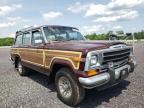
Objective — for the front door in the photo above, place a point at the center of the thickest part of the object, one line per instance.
(37, 55)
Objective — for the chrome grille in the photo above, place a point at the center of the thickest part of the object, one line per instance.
(118, 57)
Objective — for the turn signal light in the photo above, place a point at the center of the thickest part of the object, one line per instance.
(130, 60)
(78, 59)
(92, 72)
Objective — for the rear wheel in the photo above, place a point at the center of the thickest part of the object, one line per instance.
(68, 88)
(22, 70)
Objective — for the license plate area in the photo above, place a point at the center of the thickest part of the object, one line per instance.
(122, 72)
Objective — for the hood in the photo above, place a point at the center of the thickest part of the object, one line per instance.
(81, 46)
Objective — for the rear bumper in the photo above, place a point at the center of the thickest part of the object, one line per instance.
(111, 77)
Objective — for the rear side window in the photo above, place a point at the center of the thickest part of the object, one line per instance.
(18, 40)
(27, 39)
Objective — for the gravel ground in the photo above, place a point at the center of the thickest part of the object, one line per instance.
(34, 91)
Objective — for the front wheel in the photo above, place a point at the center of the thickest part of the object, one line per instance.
(69, 90)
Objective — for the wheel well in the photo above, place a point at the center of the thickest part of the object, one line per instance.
(55, 69)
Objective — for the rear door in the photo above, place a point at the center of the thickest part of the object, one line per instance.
(25, 50)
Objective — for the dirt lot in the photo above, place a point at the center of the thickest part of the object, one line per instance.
(34, 91)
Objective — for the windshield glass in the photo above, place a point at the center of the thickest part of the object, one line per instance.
(62, 34)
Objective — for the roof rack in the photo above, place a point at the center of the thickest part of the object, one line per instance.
(31, 27)
(25, 29)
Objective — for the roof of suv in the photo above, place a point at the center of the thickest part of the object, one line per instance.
(32, 28)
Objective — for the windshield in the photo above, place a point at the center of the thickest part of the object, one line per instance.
(62, 34)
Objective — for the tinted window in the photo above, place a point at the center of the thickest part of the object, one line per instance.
(18, 40)
(27, 39)
(37, 37)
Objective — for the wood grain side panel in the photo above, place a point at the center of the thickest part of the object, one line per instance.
(44, 57)
(32, 56)
(50, 56)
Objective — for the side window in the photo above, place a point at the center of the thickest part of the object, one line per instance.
(37, 37)
(18, 40)
(27, 39)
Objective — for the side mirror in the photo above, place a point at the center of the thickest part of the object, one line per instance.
(38, 41)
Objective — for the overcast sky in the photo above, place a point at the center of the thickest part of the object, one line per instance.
(88, 15)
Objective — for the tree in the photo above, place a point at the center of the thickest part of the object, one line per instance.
(6, 41)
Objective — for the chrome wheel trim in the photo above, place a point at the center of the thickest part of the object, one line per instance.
(65, 87)
(19, 67)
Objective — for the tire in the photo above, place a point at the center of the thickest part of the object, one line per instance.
(23, 71)
(69, 90)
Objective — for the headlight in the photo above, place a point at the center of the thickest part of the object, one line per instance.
(93, 60)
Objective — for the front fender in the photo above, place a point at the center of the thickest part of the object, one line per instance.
(64, 61)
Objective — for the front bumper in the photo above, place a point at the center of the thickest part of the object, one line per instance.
(111, 77)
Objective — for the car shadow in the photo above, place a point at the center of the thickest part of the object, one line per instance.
(41, 79)
(93, 97)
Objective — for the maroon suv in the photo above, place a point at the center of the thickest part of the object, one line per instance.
(71, 61)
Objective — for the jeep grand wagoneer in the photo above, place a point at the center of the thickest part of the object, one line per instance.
(71, 61)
